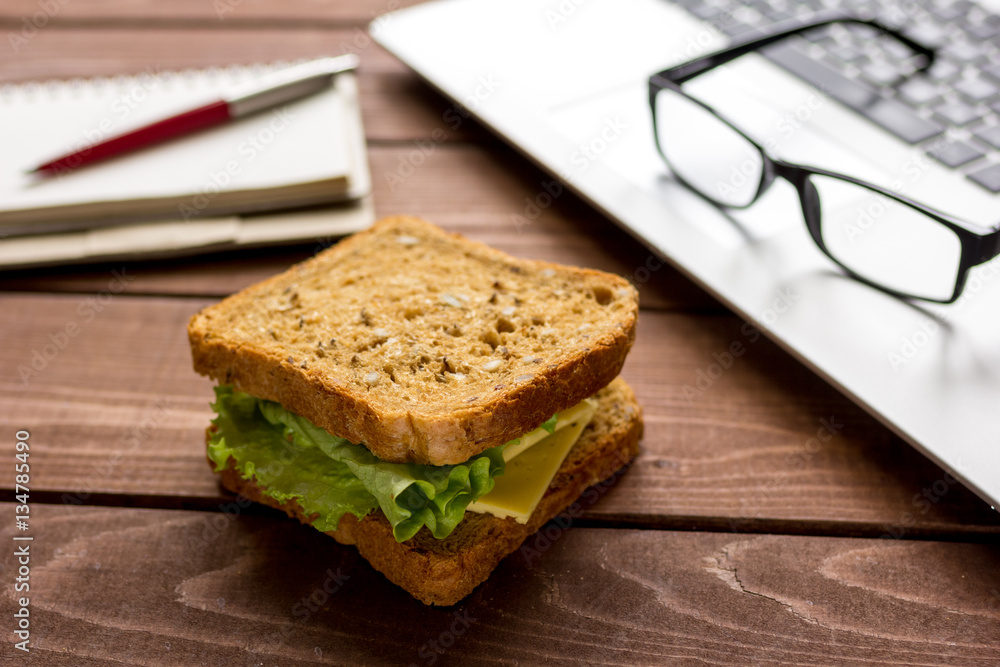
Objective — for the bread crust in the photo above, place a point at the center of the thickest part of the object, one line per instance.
(445, 433)
(442, 572)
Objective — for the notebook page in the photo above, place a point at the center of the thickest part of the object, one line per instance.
(291, 155)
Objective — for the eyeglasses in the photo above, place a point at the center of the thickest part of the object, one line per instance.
(877, 236)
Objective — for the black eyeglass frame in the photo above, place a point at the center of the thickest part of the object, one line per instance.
(978, 244)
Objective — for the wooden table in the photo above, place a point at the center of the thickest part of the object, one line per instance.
(738, 537)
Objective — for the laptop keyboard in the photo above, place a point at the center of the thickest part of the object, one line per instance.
(951, 111)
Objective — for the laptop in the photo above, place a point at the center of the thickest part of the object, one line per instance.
(566, 82)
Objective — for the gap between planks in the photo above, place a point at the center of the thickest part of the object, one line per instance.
(680, 523)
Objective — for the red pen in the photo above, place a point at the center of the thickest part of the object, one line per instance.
(269, 91)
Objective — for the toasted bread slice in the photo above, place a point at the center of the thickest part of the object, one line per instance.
(423, 345)
(442, 572)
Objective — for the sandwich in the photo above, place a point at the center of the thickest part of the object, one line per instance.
(421, 396)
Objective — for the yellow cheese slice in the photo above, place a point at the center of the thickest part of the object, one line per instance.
(564, 419)
(517, 492)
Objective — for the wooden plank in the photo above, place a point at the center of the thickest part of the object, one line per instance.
(211, 13)
(174, 587)
(119, 411)
(55, 52)
(465, 188)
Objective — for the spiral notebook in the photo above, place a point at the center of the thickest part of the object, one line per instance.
(289, 174)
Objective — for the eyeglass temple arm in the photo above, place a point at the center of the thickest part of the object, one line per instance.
(990, 247)
(689, 70)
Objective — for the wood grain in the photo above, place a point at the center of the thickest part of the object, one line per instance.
(288, 13)
(462, 187)
(119, 411)
(183, 588)
(117, 417)
(58, 53)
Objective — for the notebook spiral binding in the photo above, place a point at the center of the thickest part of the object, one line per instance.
(76, 87)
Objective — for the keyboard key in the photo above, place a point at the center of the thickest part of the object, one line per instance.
(775, 15)
(989, 178)
(962, 52)
(954, 153)
(817, 35)
(963, 6)
(896, 51)
(864, 33)
(705, 12)
(845, 53)
(976, 90)
(948, 12)
(919, 90)
(892, 17)
(736, 28)
(928, 34)
(957, 114)
(992, 71)
(880, 74)
(892, 115)
(943, 70)
(982, 31)
(989, 135)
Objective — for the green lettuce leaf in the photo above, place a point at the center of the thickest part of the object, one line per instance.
(550, 424)
(329, 476)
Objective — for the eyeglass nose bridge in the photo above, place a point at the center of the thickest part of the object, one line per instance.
(769, 171)
(808, 194)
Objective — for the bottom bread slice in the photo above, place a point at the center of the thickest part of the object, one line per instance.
(442, 572)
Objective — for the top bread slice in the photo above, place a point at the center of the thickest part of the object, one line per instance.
(425, 346)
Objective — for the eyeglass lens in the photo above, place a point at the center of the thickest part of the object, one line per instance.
(876, 237)
(702, 150)
(886, 241)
